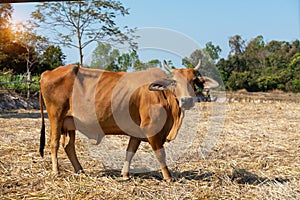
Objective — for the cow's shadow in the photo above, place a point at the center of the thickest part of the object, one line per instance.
(240, 176)
(156, 175)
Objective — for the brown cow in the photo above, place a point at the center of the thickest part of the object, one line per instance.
(146, 105)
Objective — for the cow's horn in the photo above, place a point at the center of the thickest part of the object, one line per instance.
(167, 66)
(198, 65)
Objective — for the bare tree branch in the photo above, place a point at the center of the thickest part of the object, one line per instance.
(79, 23)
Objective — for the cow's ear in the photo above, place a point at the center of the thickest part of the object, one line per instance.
(162, 84)
(210, 83)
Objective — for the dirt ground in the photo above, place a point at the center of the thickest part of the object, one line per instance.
(254, 155)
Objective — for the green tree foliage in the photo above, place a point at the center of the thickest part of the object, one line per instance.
(213, 51)
(138, 65)
(10, 58)
(79, 23)
(105, 57)
(34, 44)
(260, 66)
(294, 68)
(21, 49)
(51, 58)
(237, 45)
(207, 67)
(26, 36)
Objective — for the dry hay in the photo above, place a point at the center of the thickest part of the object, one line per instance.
(257, 156)
(263, 97)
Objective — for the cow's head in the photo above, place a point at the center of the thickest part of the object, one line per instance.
(184, 83)
(193, 76)
(179, 88)
(180, 85)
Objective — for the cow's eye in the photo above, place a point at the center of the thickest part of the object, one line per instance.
(197, 83)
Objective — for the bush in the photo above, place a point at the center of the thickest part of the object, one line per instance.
(267, 83)
(293, 85)
(17, 83)
(238, 80)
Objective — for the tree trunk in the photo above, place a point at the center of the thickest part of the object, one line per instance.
(28, 83)
(81, 57)
(28, 75)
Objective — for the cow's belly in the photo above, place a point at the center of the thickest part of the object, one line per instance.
(106, 127)
(69, 125)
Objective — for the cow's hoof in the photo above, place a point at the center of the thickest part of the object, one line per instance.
(125, 176)
(169, 180)
(81, 171)
(124, 179)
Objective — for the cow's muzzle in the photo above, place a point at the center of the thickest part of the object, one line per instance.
(186, 103)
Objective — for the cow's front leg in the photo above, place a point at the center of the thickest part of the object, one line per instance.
(132, 147)
(160, 154)
(161, 157)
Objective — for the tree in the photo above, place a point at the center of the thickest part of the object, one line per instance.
(238, 80)
(225, 69)
(103, 56)
(51, 58)
(84, 22)
(26, 36)
(236, 44)
(34, 45)
(260, 66)
(193, 60)
(11, 58)
(6, 11)
(294, 83)
(207, 67)
(213, 51)
(5, 29)
(127, 61)
(138, 65)
(255, 52)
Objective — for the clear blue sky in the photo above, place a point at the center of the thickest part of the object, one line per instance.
(204, 21)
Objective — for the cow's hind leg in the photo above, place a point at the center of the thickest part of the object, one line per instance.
(55, 132)
(56, 123)
(132, 147)
(71, 153)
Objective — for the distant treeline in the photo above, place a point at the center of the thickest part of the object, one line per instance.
(254, 66)
(261, 66)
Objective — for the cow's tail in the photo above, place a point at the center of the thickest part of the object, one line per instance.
(42, 137)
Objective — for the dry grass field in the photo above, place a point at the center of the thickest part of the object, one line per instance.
(256, 155)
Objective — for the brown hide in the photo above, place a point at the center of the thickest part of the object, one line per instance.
(121, 103)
